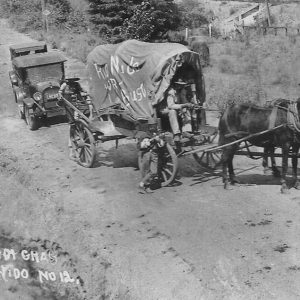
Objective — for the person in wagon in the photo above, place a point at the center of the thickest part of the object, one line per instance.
(173, 105)
(149, 146)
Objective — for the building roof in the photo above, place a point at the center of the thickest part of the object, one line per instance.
(243, 11)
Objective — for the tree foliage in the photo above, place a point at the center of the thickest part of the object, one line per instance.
(60, 11)
(192, 14)
(27, 14)
(109, 15)
(151, 20)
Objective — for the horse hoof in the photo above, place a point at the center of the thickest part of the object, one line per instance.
(228, 187)
(297, 185)
(234, 181)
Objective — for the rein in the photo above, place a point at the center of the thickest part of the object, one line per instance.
(293, 120)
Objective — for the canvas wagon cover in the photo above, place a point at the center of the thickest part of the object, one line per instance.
(137, 74)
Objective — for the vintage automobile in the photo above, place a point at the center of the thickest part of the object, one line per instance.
(36, 78)
(27, 48)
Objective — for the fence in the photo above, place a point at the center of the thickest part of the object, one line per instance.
(269, 30)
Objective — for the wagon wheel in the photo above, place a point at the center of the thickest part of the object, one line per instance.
(83, 144)
(168, 165)
(31, 121)
(211, 159)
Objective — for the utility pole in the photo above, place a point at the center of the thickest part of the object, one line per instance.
(268, 13)
(43, 2)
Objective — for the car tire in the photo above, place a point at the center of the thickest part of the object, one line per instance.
(20, 113)
(31, 121)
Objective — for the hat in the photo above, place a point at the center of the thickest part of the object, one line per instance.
(180, 82)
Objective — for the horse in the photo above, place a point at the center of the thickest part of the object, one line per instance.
(242, 120)
(270, 150)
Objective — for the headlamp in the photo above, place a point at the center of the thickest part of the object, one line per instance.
(37, 96)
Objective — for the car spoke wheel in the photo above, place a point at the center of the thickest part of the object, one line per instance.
(20, 112)
(31, 121)
(168, 165)
(83, 144)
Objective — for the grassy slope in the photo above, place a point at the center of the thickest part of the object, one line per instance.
(256, 70)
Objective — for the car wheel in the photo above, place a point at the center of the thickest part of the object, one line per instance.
(20, 112)
(31, 121)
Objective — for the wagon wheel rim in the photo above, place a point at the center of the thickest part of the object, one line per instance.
(209, 160)
(83, 144)
(168, 165)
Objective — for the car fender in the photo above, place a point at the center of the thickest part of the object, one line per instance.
(13, 78)
(29, 102)
(19, 94)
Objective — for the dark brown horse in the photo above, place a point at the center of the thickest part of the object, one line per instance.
(241, 120)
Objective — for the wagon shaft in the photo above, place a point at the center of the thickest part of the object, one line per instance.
(255, 153)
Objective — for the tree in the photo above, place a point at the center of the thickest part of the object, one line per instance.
(192, 14)
(60, 9)
(27, 14)
(110, 14)
(151, 20)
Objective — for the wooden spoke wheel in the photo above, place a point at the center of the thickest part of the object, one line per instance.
(168, 165)
(210, 160)
(20, 111)
(83, 144)
(31, 121)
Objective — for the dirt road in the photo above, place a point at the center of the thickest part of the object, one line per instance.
(107, 241)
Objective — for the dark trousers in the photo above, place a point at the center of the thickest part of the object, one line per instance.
(148, 165)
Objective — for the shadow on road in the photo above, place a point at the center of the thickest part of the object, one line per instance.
(122, 157)
(48, 122)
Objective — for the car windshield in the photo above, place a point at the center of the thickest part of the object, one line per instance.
(44, 73)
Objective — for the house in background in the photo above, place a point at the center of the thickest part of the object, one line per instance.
(245, 17)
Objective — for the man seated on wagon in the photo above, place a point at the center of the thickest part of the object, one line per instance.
(175, 105)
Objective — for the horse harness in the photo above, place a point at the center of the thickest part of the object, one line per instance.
(293, 121)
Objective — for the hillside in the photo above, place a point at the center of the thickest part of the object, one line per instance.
(285, 14)
(273, 2)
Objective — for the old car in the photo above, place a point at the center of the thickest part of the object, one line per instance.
(27, 48)
(36, 78)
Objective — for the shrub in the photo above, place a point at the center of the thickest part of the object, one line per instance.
(225, 66)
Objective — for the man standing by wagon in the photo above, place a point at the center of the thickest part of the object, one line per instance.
(149, 147)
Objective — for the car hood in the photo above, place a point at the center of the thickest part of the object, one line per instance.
(41, 86)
